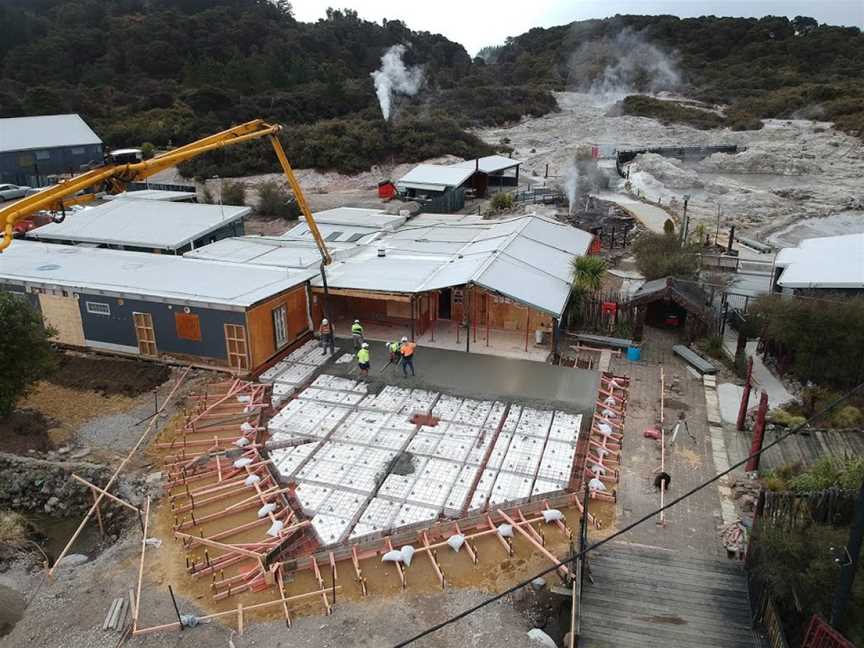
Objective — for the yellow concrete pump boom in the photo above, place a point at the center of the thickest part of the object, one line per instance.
(113, 177)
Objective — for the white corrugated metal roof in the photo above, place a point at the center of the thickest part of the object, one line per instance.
(374, 218)
(139, 274)
(525, 258)
(436, 174)
(824, 262)
(333, 233)
(45, 131)
(267, 251)
(155, 194)
(141, 223)
(490, 164)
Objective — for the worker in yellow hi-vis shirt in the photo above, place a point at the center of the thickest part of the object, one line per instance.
(363, 360)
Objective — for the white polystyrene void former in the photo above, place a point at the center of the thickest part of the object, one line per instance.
(365, 470)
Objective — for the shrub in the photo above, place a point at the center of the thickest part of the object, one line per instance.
(147, 150)
(670, 112)
(234, 193)
(276, 202)
(713, 346)
(668, 226)
(207, 196)
(780, 416)
(662, 255)
(502, 200)
(847, 417)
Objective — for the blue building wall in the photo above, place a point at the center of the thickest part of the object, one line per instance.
(119, 327)
(31, 167)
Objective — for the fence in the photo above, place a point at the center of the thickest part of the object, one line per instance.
(543, 195)
(766, 614)
(821, 635)
(604, 312)
(788, 512)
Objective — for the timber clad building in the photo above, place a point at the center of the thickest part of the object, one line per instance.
(160, 307)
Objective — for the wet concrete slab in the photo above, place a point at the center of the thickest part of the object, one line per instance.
(483, 376)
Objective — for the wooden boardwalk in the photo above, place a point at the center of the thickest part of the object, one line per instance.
(804, 448)
(644, 597)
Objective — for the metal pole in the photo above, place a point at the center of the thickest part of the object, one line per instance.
(848, 570)
(325, 306)
(176, 609)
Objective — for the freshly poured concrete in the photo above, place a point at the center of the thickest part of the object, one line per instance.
(483, 376)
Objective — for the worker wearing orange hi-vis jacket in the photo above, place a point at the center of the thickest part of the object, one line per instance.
(406, 349)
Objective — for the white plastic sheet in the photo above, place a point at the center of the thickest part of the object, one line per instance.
(604, 428)
(242, 442)
(251, 480)
(505, 530)
(275, 529)
(456, 541)
(267, 509)
(242, 462)
(552, 515)
(246, 427)
(596, 485)
(407, 554)
(392, 556)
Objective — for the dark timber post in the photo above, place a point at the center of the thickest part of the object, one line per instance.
(758, 433)
(745, 397)
(466, 307)
(848, 569)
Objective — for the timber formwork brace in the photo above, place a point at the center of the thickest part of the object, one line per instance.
(204, 469)
(606, 437)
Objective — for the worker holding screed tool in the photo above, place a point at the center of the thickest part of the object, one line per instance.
(407, 350)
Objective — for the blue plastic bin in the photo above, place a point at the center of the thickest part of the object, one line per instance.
(634, 354)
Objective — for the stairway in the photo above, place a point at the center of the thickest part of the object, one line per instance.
(645, 597)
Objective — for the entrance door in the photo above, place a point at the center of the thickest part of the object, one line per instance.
(444, 300)
(235, 341)
(145, 333)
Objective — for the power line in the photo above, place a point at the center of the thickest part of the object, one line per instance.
(631, 526)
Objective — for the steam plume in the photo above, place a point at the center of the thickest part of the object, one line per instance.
(394, 78)
(631, 66)
(571, 187)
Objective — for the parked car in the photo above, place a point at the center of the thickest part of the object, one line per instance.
(12, 192)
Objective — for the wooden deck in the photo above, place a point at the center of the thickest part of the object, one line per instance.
(645, 597)
(803, 448)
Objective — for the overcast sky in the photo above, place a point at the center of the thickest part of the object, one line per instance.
(476, 23)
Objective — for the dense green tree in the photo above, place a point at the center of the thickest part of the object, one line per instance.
(25, 350)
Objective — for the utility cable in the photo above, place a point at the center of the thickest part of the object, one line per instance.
(574, 557)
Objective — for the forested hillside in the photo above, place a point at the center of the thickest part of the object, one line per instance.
(167, 71)
(769, 67)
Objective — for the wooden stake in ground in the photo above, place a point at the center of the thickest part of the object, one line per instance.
(141, 566)
(118, 471)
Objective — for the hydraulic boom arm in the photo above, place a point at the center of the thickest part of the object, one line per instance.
(113, 178)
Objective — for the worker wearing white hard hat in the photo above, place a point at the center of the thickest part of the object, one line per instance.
(363, 359)
(325, 338)
(357, 334)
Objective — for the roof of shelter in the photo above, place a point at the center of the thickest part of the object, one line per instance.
(823, 262)
(490, 164)
(141, 223)
(45, 132)
(160, 277)
(436, 176)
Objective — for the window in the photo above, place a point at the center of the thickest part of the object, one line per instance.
(280, 326)
(355, 237)
(188, 326)
(145, 333)
(98, 308)
(457, 295)
(333, 236)
(77, 150)
(43, 155)
(235, 341)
